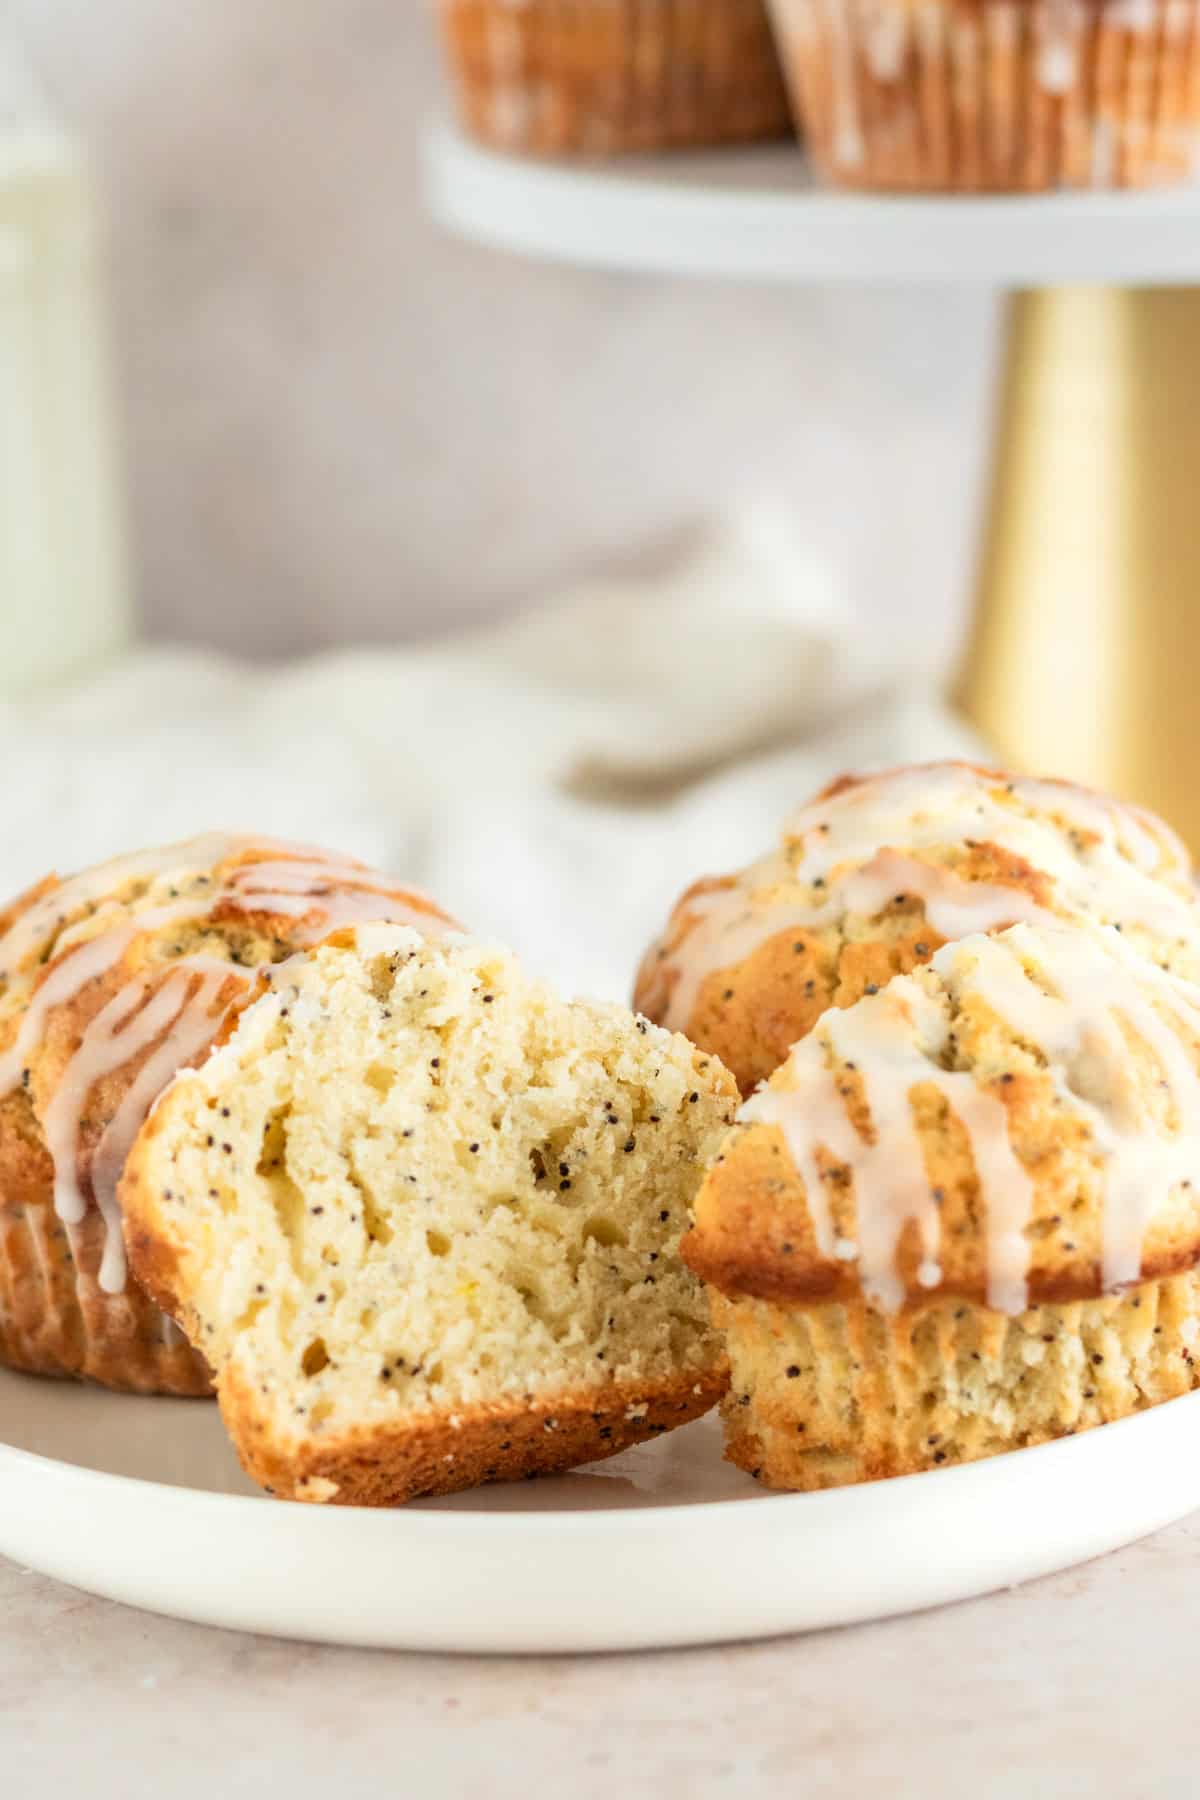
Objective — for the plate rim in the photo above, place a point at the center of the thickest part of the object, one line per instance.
(575, 1520)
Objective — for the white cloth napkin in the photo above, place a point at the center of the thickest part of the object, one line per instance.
(555, 782)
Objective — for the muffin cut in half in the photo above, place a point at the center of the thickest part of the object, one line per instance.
(964, 1216)
(878, 872)
(111, 981)
(423, 1219)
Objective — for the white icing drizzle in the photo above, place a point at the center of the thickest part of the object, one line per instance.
(1057, 58)
(310, 878)
(191, 1031)
(1133, 15)
(886, 35)
(732, 926)
(171, 1008)
(852, 853)
(1079, 1025)
(954, 907)
(733, 923)
(337, 893)
(1063, 992)
(849, 145)
(1056, 66)
(72, 972)
(309, 868)
(952, 803)
(891, 1040)
(126, 1025)
(65, 980)
(73, 897)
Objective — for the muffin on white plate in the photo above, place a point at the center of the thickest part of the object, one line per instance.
(423, 1219)
(964, 1215)
(110, 981)
(875, 874)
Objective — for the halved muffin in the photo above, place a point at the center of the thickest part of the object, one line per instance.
(423, 1218)
(111, 981)
(880, 870)
(964, 1215)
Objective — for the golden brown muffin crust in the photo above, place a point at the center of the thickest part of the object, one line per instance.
(829, 951)
(179, 934)
(755, 1233)
(526, 1437)
(553, 78)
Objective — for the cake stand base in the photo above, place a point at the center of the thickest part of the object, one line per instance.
(1085, 655)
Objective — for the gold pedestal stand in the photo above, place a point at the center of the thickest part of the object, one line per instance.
(1085, 656)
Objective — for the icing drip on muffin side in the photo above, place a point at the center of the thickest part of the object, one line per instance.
(1069, 996)
(173, 1007)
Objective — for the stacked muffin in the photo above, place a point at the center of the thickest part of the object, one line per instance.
(926, 95)
(995, 94)
(600, 76)
(961, 1215)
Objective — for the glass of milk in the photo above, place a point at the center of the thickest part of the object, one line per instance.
(64, 598)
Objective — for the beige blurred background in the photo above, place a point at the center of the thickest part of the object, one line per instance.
(341, 425)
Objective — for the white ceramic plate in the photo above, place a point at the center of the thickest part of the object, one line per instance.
(142, 1501)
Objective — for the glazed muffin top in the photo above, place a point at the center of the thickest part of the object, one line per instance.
(113, 980)
(1018, 1122)
(878, 872)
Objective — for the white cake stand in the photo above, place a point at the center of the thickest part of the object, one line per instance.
(757, 215)
(1087, 641)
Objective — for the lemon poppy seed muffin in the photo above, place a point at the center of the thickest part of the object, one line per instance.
(553, 77)
(110, 981)
(995, 95)
(879, 871)
(424, 1217)
(964, 1216)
